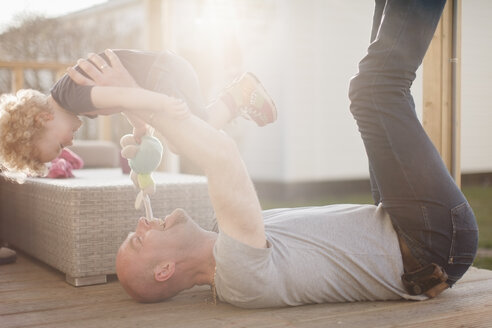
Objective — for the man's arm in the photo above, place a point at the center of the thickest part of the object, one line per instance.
(231, 190)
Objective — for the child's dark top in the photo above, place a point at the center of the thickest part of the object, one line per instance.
(163, 72)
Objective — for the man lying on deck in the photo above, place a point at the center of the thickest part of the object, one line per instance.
(418, 239)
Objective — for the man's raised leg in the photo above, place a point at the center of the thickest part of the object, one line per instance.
(428, 210)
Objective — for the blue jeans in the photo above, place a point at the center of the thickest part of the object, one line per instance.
(408, 176)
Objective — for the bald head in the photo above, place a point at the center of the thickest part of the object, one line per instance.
(135, 276)
(159, 260)
(142, 280)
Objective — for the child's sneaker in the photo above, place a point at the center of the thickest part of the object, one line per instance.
(247, 97)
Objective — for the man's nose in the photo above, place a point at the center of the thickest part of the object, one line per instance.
(143, 225)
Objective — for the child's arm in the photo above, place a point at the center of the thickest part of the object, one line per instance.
(139, 103)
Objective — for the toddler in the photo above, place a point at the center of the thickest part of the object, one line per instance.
(34, 127)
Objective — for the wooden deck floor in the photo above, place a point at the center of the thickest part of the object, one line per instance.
(34, 295)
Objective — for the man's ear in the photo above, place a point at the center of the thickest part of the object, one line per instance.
(164, 271)
(44, 117)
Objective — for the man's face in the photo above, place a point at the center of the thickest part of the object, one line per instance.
(155, 239)
(154, 243)
(58, 133)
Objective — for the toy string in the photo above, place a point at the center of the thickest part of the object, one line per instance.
(148, 208)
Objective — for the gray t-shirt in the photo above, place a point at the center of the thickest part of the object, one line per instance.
(335, 253)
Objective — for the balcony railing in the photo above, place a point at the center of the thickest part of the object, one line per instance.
(18, 68)
(18, 71)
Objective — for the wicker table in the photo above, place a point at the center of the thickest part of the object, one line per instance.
(77, 225)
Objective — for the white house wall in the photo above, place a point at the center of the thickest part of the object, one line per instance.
(476, 87)
(306, 62)
(305, 52)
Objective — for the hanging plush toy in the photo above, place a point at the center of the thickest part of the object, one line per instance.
(143, 158)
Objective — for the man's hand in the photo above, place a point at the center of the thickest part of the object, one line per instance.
(101, 73)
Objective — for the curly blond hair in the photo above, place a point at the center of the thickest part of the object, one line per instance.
(19, 128)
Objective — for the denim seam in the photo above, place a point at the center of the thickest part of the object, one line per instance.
(452, 256)
(414, 245)
(378, 107)
(425, 217)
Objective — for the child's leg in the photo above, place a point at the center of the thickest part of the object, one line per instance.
(245, 97)
(219, 114)
(174, 76)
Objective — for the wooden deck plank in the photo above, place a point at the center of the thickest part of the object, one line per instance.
(35, 295)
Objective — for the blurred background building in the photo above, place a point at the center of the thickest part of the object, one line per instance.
(304, 51)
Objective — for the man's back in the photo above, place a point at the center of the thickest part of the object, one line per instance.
(334, 253)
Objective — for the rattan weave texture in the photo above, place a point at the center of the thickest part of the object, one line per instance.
(76, 225)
